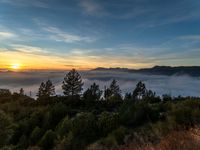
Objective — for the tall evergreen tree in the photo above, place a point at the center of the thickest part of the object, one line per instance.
(140, 91)
(49, 88)
(41, 91)
(113, 91)
(72, 84)
(114, 88)
(92, 93)
(46, 89)
(107, 93)
(21, 91)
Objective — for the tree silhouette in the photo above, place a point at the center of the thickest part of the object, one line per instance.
(140, 91)
(46, 90)
(21, 91)
(41, 91)
(92, 93)
(50, 89)
(72, 84)
(128, 96)
(113, 91)
(5, 92)
(150, 94)
(107, 93)
(114, 88)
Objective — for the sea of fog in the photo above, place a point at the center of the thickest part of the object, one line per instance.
(174, 85)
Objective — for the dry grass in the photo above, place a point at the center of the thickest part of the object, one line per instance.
(175, 140)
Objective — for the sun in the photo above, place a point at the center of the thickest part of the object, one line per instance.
(15, 66)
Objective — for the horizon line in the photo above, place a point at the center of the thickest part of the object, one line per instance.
(89, 69)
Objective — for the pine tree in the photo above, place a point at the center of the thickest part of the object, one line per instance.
(21, 91)
(114, 88)
(92, 93)
(46, 90)
(140, 91)
(41, 91)
(107, 93)
(113, 92)
(49, 88)
(72, 84)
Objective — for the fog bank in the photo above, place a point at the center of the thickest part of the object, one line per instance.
(173, 85)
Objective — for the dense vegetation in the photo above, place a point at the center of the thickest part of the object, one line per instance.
(92, 119)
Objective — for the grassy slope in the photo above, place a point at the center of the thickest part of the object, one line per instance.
(175, 140)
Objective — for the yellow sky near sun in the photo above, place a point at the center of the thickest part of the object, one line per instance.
(28, 61)
(25, 61)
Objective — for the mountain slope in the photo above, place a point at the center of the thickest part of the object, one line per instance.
(159, 70)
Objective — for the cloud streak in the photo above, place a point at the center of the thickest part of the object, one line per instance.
(61, 36)
(28, 49)
(190, 37)
(25, 3)
(143, 13)
(6, 35)
(90, 6)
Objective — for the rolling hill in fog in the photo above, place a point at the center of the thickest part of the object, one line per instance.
(159, 70)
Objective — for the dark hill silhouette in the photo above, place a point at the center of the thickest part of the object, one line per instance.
(159, 70)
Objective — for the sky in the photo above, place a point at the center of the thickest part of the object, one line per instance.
(84, 34)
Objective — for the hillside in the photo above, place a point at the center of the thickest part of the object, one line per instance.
(64, 123)
(179, 140)
(96, 119)
(159, 70)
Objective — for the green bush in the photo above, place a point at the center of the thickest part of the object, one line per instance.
(55, 115)
(36, 135)
(107, 122)
(47, 140)
(6, 130)
(109, 141)
(64, 126)
(119, 135)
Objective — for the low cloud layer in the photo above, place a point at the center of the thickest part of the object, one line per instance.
(173, 85)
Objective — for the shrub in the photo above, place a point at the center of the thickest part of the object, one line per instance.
(64, 126)
(56, 114)
(108, 122)
(47, 140)
(35, 135)
(5, 129)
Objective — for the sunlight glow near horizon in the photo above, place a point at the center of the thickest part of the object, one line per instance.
(15, 66)
(18, 62)
(87, 34)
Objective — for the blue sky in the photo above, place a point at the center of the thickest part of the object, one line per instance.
(104, 33)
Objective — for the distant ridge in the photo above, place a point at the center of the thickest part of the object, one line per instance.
(112, 69)
(159, 70)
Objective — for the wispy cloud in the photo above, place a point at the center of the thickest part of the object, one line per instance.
(26, 3)
(6, 35)
(145, 14)
(190, 37)
(93, 8)
(28, 49)
(90, 6)
(163, 20)
(62, 36)
(57, 34)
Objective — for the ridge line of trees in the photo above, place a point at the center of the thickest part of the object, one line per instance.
(72, 87)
